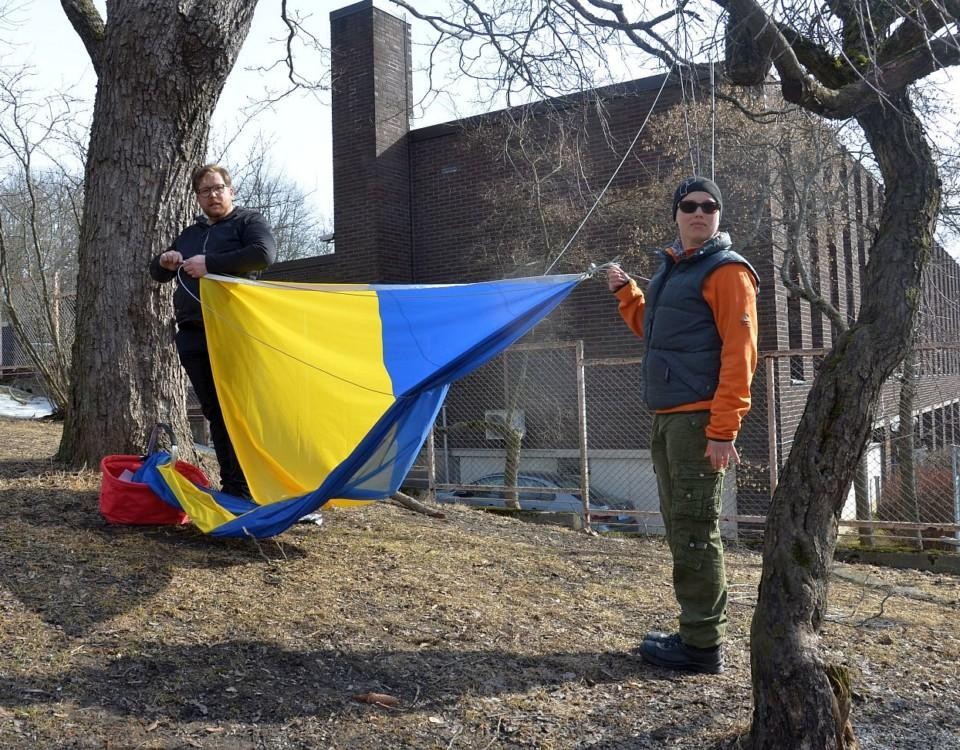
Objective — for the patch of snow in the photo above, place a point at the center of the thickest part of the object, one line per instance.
(25, 407)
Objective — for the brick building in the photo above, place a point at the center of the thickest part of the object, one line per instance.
(438, 205)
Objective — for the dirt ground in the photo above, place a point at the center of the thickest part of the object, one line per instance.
(488, 633)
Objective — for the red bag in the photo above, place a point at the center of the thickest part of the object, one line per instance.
(127, 502)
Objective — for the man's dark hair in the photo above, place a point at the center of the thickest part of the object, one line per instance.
(200, 172)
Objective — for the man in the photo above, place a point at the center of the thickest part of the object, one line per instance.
(698, 319)
(224, 240)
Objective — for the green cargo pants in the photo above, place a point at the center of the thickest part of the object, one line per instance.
(690, 501)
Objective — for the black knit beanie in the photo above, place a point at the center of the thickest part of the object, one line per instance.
(692, 185)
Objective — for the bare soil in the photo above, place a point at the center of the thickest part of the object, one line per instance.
(484, 631)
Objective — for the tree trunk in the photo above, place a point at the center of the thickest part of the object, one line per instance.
(511, 464)
(798, 699)
(161, 67)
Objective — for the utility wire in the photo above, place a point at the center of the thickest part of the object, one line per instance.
(633, 143)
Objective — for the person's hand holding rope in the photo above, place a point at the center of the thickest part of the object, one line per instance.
(170, 260)
(195, 266)
(616, 278)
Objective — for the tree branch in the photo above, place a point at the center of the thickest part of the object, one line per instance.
(86, 21)
(918, 26)
(668, 54)
(895, 76)
(405, 501)
(800, 87)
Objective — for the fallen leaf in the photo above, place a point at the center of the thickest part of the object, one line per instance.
(377, 699)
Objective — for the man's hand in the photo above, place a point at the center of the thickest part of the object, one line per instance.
(195, 266)
(721, 453)
(171, 260)
(616, 278)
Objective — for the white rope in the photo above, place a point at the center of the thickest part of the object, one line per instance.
(713, 123)
(594, 269)
(623, 161)
(695, 164)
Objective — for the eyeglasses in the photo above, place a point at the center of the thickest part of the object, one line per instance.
(212, 190)
(689, 207)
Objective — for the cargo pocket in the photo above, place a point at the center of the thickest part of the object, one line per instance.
(696, 494)
(695, 502)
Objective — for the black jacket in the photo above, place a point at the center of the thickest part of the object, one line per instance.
(240, 244)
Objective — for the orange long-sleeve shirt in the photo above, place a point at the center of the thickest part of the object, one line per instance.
(731, 293)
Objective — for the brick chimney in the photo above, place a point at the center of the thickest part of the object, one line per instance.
(370, 57)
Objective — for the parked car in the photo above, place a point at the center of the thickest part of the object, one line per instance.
(561, 501)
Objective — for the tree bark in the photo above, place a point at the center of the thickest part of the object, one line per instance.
(798, 699)
(161, 67)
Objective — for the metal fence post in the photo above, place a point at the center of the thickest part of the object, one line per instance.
(431, 466)
(772, 426)
(582, 430)
(446, 444)
(956, 488)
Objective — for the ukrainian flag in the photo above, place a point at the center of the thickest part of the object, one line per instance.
(329, 390)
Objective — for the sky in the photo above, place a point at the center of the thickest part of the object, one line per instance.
(297, 128)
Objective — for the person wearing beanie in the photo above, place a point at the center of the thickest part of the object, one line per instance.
(693, 185)
(698, 321)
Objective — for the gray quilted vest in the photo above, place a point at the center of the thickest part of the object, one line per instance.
(682, 361)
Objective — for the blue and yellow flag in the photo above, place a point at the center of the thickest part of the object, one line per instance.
(329, 390)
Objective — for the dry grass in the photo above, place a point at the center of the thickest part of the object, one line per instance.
(490, 633)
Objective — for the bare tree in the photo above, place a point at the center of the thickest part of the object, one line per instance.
(38, 229)
(538, 197)
(160, 67)
(299, 229)
(841, 61)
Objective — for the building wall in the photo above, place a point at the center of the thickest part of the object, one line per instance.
(428, 206)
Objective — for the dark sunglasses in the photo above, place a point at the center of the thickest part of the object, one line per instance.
(708, 207)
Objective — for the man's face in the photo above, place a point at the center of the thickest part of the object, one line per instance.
(699, 226)
(214, 196)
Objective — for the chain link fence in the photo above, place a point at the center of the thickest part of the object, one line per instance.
(906, 488)
(47, 330)
(578, 434)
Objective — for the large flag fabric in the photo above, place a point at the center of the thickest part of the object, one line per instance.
(329, 390)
